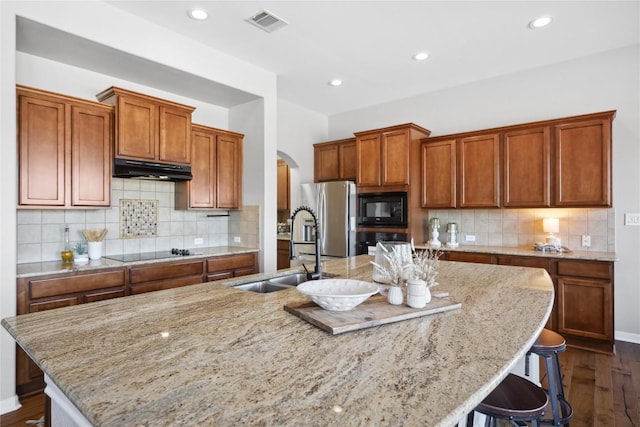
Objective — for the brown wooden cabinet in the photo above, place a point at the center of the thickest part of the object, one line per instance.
(527, 168)
(284, 186)
(438, 171)
(64, 149)
(479, 171)
(554, 163)
(216, 169)
(283, 254)
(583, 161)
(149, 128)
(335, 160)
(225, 267)
(585, 302)
(55, 291)
(383, 155)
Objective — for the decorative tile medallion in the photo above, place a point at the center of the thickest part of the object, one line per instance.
(138, 218)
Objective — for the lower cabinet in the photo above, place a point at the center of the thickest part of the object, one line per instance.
(49, 292)
(225, 267)
(283, 254)
(583, 308)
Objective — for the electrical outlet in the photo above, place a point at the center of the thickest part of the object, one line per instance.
(198, 241)
(632, 219)
(586, 241)
(470, 238)
(236, 239)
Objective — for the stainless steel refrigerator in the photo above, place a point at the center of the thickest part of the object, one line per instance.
(335, 206)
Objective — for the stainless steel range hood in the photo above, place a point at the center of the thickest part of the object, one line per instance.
(126, 168)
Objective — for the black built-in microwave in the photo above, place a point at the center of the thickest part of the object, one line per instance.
(383, 209)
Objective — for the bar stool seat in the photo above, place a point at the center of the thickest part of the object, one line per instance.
(515, 399)
(548, 345)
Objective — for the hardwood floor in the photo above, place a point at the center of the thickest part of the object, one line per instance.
(603, 390)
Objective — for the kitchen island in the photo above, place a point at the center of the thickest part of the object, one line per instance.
(212, 355)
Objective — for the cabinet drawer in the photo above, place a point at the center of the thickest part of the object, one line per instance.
(51, 304)
(165, 284)
(103, 295)
(470, 257)
(523, 261)
(219, 276)
(230, 262)
(150, 273)
(598, 270)
(43, 288)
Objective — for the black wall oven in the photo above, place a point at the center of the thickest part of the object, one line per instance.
(382, 209)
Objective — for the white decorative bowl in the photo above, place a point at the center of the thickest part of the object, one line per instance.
(338, 294)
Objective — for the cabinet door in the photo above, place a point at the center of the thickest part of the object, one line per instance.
(438, 172)
(583, 163)
(526, 166)
(90, 156)
(395, 158)
(41, 141)
(283, 186)
(229, 171)
(202, 188)
(585, 307)
(479, 171)
(326, 162)
(136, 128)
(175, 135)
(368, 157)
(347, 161)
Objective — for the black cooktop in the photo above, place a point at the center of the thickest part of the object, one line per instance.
(146, 256)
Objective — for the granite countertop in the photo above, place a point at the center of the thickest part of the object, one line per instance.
(57, 267)
(209, 354)
(527, 251)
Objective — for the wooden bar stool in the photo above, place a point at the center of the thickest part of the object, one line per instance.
(515, 399)
(548, 345)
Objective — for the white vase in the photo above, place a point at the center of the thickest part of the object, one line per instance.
(395, 295)
(95, 250)
(418, 295)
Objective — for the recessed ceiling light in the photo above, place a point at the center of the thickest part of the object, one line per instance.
(199, 14)
(543, 21)
(420, 56)
(335, 82)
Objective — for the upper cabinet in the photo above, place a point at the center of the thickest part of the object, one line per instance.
(583, 161)
(148, 128)
(383, 155)
(64, 150)
(284, 186)
(554, 163)
(335, 160)
(216, 169)
(479, 171)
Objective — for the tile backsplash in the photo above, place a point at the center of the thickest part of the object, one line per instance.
(41, 232)
(523, 227)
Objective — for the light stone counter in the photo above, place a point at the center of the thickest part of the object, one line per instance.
(527, 251)
(34, 269)
(212, 355)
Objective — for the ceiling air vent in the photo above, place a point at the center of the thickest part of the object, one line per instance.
(267, 21)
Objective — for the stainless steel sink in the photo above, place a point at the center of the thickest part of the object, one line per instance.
(263, 287)
(277, 283)
(290, 279)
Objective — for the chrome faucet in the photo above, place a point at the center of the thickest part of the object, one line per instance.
(317, 272)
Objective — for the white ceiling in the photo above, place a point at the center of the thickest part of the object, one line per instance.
(369, 44)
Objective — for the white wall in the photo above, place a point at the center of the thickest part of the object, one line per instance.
(298, 129)
(102, 23)
(607, 81)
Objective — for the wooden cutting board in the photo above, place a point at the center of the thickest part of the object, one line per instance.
(373, 312)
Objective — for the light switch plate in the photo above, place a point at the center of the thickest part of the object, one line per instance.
(236, 239)
(632, 219)
(470, 238)
(198, 241)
